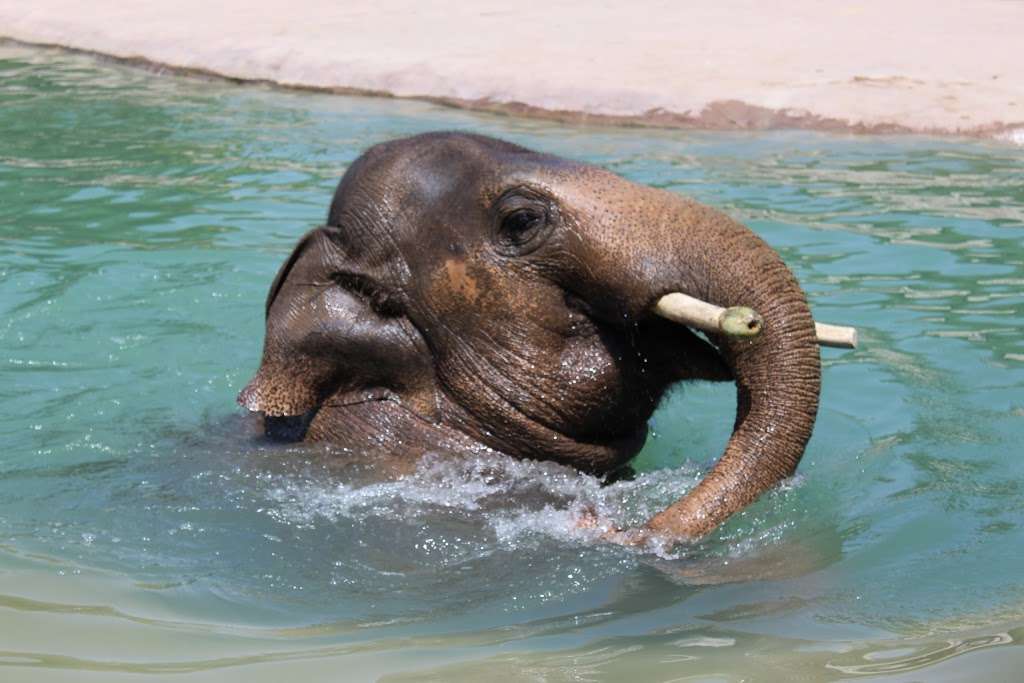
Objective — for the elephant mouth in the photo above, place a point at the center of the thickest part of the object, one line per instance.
(288, 428)
(583, 320)
(587, 318)
(294, 428)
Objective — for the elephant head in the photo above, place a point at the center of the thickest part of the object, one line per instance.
(469, 291)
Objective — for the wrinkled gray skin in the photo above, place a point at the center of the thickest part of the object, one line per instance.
(467, 292)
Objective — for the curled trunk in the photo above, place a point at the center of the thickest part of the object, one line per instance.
(777, 374)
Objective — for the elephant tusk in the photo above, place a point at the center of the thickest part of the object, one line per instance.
(739, 321)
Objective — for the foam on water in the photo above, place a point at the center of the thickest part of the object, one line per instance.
(514, 500)
(1014, 135)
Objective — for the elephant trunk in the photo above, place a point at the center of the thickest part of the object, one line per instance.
(777, 373)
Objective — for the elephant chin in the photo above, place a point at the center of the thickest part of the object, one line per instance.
(278, 393)
(287, 407)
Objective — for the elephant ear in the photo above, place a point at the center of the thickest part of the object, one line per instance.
(330, 331)
(286, 267)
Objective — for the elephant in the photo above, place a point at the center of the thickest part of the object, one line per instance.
(469, 294)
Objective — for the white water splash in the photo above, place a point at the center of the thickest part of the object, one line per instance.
(1014, 136)
(514, 499)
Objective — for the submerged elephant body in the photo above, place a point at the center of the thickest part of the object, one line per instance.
(467, 292)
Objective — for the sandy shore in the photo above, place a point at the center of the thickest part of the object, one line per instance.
(896, 66)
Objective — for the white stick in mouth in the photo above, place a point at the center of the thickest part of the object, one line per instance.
(739, 321)
(836, 336)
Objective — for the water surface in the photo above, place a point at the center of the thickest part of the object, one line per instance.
(142, 530)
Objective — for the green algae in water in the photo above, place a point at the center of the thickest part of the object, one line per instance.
(143, 530)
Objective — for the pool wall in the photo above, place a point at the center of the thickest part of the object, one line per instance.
(872, 67)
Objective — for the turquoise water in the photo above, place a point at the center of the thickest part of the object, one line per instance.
(144, 530)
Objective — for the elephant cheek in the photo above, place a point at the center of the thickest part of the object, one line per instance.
(457, 288)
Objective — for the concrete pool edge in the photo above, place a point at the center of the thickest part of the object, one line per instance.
(901, 87)
(724, 115)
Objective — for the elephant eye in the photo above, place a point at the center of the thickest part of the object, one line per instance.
(518, 227)
(524, 219)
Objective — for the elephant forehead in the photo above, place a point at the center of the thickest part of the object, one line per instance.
(422, 185)
(434, 171)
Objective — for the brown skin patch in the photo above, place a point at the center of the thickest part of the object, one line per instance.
(460, 283)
